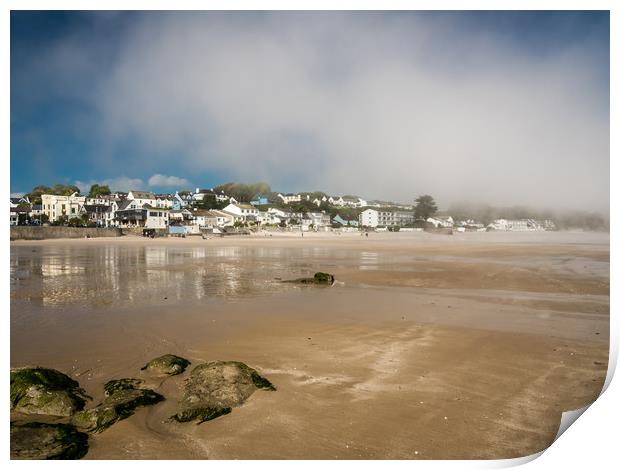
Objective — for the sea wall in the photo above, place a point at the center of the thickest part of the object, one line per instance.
(42, 233)
(138, 231)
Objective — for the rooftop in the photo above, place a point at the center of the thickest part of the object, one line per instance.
(142, 194)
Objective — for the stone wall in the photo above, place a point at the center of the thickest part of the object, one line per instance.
(42, 233)
(138, 231)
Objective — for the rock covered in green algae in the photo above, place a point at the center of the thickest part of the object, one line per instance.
(318, 278)
(117, 385)
(168, 364)
(123, 396)
(47, 441)
(37, 390)
(323, 278)
(214, 388)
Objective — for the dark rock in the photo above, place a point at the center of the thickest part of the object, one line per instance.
(123, 396)
(214, 388)
(117, 385)
(47, 441)
(319, 279)
(168, 364)
(323, 278)
(37, 390)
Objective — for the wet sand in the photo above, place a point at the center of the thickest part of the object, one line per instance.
(428, 346)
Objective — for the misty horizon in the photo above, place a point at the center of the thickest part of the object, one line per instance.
(498, 108)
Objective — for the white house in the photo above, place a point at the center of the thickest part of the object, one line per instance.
(213, 218)
(156, 217)
(315, 220)
(319, 219)
(355, 202)
(146, 216)
(245, 211)
(109, 215)
(349, 201)
(294, 218)
(200, 194)
(290, 197)
(179, 200)
(140, 198)
(164, 200)
(179, 216)
(378, 218)
(278, 212)
(102, 200)
(55, 206)
(370, 218)
(469, 225)
(269, 218)
(224, 219)
(336, 201)
(402, 218)
(519, 225)
(205, 219)
(16, 201)
(441, 221)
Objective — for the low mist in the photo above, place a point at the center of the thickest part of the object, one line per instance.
(386, 106)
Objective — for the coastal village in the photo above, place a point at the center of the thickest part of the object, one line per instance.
(211, 210)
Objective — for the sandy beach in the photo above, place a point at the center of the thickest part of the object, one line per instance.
(426, 347)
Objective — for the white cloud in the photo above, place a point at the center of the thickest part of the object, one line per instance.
(361, 104)
(120, 183)
(17, 194)
(168, 181)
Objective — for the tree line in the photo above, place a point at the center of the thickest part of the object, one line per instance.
(59, 189)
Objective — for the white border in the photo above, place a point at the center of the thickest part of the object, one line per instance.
(589, 443)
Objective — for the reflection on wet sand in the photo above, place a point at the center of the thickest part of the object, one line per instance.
(422, 341)
(53, 276)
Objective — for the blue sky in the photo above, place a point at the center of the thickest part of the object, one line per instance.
(386, 105)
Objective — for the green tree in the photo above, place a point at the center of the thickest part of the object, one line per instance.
(99, 190)
(61, 220)
(58, 189)
(425, 207)
(209, 203)
(305, 206)
(35, 195)
(65, 190)
(349, 213)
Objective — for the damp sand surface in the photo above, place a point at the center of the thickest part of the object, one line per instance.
(426, 347)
